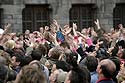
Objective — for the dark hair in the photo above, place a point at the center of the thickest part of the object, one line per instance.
(27, 59)
(90, 48)
(11, 75)
(104, 44)
(48, 47)
(117, 62)
(3, 73)
(114, 51)
(121, 43)
(71, 58)
(79, 75)
(62, 65)
(91, 63)
(10, 51)
(19, 58)
(36, 54)
(1, 47)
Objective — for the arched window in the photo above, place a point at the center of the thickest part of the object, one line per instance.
(35, 16)
(83, 14)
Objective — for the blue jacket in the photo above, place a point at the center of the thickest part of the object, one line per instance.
(94, 77)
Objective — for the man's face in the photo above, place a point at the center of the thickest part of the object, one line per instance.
(99, 70)
(13, 61)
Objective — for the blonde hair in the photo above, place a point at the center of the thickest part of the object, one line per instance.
(10, 44)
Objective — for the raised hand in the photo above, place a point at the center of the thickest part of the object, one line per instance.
(97, 24)
(55, 22)
(120, 26)
(74, 26)
(6, 28)
(46, 28)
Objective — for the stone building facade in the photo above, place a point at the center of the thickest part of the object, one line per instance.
(64, 11)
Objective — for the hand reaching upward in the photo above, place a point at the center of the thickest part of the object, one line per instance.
(97, 24)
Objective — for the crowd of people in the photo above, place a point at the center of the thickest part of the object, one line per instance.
(57, 54)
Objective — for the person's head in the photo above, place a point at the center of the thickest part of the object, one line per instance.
(61, 65)
(43, 49)
(10, 44)
(11, 75)
(77, 75)
(7, 57)
(17, 60)
(36, 54)
(117, 62)
(91, 63)
(36, 64)
(27, 60)
(20, 36)
(106, 68)
(55, 52)
(30, 74)
(3, 73)
(71, 58)
(27, 32)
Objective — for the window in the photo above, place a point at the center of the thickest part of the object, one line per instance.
(83, 14)
(119, 14)
(35, 16)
